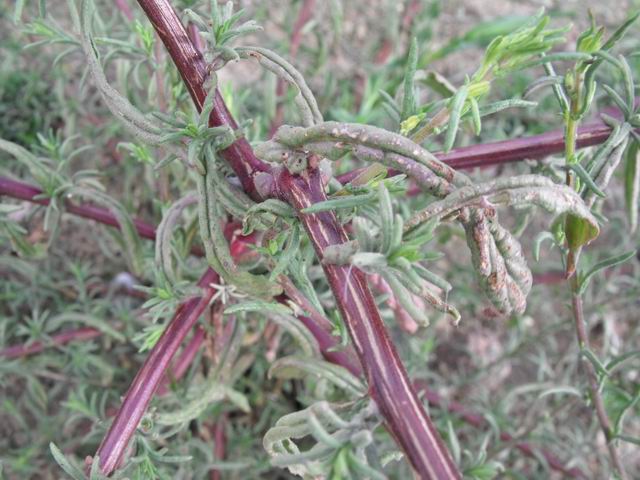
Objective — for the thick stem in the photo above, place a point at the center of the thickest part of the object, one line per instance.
(387, 378)
(182, 363)
(193, 70)
(388, 383)
(329, 347)
(146, 382)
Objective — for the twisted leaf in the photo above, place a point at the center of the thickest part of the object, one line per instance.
(514, 191)
(299, 367)
(276, 64)
(216, 246)
(164, 234)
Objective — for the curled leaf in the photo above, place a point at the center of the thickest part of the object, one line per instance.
(278, 65)
(299, 367)
(164, 234)
(515, 191)
(215, 244)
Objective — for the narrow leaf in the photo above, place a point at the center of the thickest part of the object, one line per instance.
(409, 99)
(455, 112)
(632, 183)
(609, 262)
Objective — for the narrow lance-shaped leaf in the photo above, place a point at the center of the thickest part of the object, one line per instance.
(73, 471)
(46, 176)
(258, 306)
(455, 113)
(138, 124)
(409, 98)
(608, 262)
(303, 337)
(278, 65)
(290, 251)
(132, 243)
(632, 184)
(298, 367)
(586, 179)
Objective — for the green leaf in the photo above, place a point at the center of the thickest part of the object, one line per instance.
(293, 367)
(409, 103)
(609, 262)
(561, 390)
(238, 399)
(586, 179)
(455, 113)
(439, 84)
(622, 414)
(595, 361)
(629, 439)
(351, 201)
(258, 306)
(620, 31)
(65, 464)
(579, 231)
(538, 241)
(292, 248)
(632, 184)
(17, 12)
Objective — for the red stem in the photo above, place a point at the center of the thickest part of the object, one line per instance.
(331, 352)
(30, 193)
(514, 150)
(220, 443)
(180, 366)
(193, 70)
(148, 378)
(387, 378)
(16, 351)
(124, 8)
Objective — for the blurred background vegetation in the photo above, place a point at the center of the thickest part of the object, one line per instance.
(521, 373)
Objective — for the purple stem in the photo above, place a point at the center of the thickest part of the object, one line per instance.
(387, 378)
(388, 382)
(328, 345)
(30, 193)
(193, 70)
(16, 351)
(514, 150)
(183, 362)
(148, 378)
